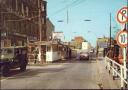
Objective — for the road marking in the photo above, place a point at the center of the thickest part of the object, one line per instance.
(14, 75)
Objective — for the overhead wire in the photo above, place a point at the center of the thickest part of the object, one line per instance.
(72, 4)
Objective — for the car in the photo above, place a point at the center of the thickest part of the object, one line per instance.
(92, 51)
(13, 57)
(84, 56)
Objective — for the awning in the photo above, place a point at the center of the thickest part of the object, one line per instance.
(45, 42)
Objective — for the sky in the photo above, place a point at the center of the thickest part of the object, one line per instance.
(98, 11)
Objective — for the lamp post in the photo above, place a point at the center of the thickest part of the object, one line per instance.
(110, 31)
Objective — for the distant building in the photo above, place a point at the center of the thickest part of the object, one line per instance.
(58, 35)
(86, 46)
(78, 42)
(103, 42)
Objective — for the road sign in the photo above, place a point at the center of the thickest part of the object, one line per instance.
(122, 15)
(122, 38)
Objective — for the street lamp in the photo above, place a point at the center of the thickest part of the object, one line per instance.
(87, 20)
(60, 21)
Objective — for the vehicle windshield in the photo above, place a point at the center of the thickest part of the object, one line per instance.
(6, 53)
(84, 53)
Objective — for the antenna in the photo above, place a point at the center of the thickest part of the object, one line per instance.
(67, 17)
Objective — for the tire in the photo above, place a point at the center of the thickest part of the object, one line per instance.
(23, 67)
(88, 58)
(113, 77)
(5, 70)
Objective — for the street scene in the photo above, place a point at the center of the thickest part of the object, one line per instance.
(63, 44)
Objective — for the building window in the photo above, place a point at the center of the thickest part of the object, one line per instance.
(42, 8)
(48, 48)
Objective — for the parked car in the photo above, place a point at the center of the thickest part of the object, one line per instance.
(84, 56)
(91, 51)
(13, 57)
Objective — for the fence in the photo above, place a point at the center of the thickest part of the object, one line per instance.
(118, 70)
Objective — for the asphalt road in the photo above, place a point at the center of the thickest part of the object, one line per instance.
(71, 74)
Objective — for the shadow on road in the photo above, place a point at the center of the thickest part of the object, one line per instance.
(37, 72)
(13, 72)
(74, 60)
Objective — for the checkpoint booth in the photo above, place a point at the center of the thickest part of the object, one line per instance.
(53, 52)
(50, 51)
(56, 51)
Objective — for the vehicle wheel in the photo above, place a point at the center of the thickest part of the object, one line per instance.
(113, 77)
(87, 58)
(5, 70)
(23, 67)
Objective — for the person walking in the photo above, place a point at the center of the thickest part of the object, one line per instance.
(36, 55)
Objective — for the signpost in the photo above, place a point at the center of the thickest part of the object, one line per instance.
(122, 16)
(122, 37)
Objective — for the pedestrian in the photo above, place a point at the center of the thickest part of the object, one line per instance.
(36, 55)
(78, 56)
(70, 54)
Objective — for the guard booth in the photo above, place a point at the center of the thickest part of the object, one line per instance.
(53, 52)
(57, 51)
(50, 51)
(42, 49)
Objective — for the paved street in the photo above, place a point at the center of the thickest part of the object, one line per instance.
(43, 43)
(72, 74)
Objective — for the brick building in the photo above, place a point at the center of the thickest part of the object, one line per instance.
(50, 29)
(19, 21)
(78, 42)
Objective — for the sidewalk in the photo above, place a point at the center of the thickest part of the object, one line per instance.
(106, 79)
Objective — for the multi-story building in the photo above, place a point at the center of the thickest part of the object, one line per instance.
(50, 29)
(102, 44)
(58, 36)
(78, 42)
(86, 46)
(19, 21)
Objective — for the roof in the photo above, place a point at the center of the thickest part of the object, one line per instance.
(46, 42)
(14, 47)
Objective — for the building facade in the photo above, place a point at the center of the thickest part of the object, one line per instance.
(58, 35)
(78, 42)
(86, 46)
(19, 21)
(50, 30)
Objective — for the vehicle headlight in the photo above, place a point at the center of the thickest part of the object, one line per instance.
(2, 56)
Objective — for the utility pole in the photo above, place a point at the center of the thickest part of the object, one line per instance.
(39, 21)
(67, 16)
(39, 28)
(127, 47)
(110, 31)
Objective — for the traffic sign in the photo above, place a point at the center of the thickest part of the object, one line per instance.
(122, 15)
(122, 38)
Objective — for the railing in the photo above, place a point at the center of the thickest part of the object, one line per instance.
(118, 70)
